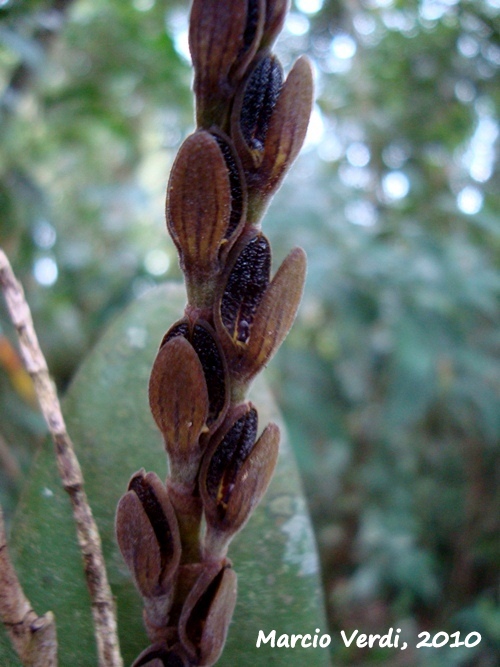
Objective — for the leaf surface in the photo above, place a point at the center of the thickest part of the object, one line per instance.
(114, 433)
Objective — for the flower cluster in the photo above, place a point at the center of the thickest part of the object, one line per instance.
(251, 123)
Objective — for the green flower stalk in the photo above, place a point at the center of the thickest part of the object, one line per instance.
(174, 537)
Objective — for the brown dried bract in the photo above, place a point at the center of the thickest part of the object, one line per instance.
(237, 185)
(275, 18)
(223, 39)
(236, 471)
(255, 315)
(198, 217)
(179, 402)
(274, 316)
(253, 109)
(207, 613)
(160, 655)
(269, 143)
(204, 341)
(228, 457)
(147, 533)
(246, 283)
(287, 127)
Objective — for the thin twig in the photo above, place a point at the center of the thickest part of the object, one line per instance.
(103, 608)
(34, 637)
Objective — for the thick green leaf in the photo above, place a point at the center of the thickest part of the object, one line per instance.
(109, 420)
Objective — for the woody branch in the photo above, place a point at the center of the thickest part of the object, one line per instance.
(103, 608)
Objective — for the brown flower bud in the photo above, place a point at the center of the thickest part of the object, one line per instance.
(287, 127)
(199, 212)
(223, 38)
(275, 315)
(276, 11)
(161, 655)
(207, 612)
(178, 398)
(255, 20)
(254, 316)
(235, 473)
(245, 286)
(254, 108)
(204, 341)
(269, 129)
(237, 185)
(148, 537)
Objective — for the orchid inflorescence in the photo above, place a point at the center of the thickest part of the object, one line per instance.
(251, 123)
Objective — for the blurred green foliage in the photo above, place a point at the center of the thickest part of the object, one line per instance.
(390, 379)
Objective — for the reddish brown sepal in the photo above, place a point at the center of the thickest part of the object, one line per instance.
(280, 128)
(148, 537)
(235, 473)
(276, 11)
(179, 402)
(237, 185)
(223, 39)
(204, 341)
(274, 315)
(199, 212)
(253, 110)
(246, 283)
(254, 317)
(161, 655)
(254, 26)
(287, 127)
(207, 612)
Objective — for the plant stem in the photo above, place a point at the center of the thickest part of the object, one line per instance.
(103, 607)
(33, 637)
